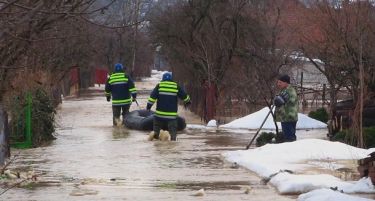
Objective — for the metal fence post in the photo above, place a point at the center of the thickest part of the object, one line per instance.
(28, 120)
(26, 132)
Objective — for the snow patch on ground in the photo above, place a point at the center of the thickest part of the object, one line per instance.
(254, 121)
(212, 123)
(271, 160)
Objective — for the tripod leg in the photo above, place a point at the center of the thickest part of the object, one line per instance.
(261, 126)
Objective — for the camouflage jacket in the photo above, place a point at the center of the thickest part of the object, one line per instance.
(289, 111)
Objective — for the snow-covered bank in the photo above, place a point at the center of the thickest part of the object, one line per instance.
(271, 160)
(254, 120)
(328, 195)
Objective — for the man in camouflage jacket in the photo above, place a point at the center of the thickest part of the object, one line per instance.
(286, 108)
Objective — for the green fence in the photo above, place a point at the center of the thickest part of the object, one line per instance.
(23, 138)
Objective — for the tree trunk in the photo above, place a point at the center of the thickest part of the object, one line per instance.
(4, 134)
(210, 102)
(135, 37)
(358, 130)
(334, 124)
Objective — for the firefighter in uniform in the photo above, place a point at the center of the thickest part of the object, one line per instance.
(166, 95)
(122, 89)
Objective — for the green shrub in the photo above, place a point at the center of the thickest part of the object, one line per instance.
(340, 136)
(369, 132)
(320, 114)
(346, 136)
(264, 138)
(42, 118)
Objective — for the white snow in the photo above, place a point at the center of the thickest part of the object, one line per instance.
(196, 126)
(254, 121)
(271, 161)
(212, 123)
(328, 195)
(155, 76)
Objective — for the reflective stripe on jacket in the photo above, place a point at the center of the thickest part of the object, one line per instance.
(121, 88)
(166, 95)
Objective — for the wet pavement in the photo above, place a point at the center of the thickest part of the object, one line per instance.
(91, 160)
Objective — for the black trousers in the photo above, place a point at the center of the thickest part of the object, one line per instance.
(170, 124)
(289, 131)
(119, 110)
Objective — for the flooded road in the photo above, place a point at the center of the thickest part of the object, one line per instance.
(91, 160)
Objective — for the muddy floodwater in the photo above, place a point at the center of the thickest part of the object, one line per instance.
(91, 160)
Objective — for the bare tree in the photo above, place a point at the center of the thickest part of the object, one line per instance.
(45, 39)
(348, 60)
(231, 48)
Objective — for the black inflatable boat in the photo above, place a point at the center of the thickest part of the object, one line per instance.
(143, 120)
